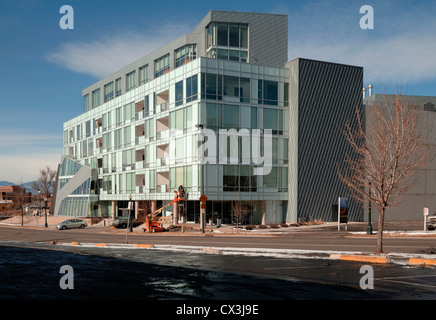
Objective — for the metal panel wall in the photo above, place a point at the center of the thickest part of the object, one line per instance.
(328, 94)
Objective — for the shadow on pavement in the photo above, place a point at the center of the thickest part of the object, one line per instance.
(33, 273)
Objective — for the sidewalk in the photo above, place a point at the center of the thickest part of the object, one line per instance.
(408, 229)
(358, 229)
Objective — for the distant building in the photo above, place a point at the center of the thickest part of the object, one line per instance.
(6, 205)
(16, 195)
(424, 192)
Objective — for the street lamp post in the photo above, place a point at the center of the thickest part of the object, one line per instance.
(130, 214)
(202, 211)
(129, 226)
(40, 204)
(45, 211)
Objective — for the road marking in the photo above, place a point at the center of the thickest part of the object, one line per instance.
(279, 268)
(393, 279)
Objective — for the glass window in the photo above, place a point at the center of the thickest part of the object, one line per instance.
(191, 88)
(152, 180)
(84, 149)
(86, 102)
(107, 183)
(268, 92)
(234, 55)
(179, 93)
(211, 35)
(244, 36)
(179, 119)
(187, 182)
(253, 118)
(237, 87)
(106, 121)
(243, 56)
(212, 86)
(223, 54)
(107, 140)
(188, 117)
(222, 35)
(127, 136)
(223, 39)
(119, 116)
(143, 74)
(129, 111)
(245, 117)
(146, 105)
(211, 117)
(234, 35)
(185, 54)
(286, 94)
(131, 81)
(231, 116)
(118, 87)
(149, 128)
(270, 180)
(231, 86)
(230, 177)
(117, 138)
(161, 65)
(130, 182)
(244, 89)
(108, 91)
(180, 149)
(128, 157)
(270, 119)
(88, 128)
(95, 98)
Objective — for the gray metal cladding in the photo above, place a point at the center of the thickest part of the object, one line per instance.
(328, 96)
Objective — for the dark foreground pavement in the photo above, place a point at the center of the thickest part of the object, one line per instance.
(33, 273)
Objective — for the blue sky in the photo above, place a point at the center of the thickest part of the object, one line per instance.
(43, 68)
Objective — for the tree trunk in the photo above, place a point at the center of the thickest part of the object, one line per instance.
(381, 218)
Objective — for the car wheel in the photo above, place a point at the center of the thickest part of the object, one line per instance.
(63, 228)
(82, 226)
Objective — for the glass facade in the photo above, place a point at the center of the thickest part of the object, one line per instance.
(82, 198)
(150, 141)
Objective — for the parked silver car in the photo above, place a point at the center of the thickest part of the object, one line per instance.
(72, 223)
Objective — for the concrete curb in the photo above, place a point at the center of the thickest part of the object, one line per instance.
(385, 259)
(393, 258)
(362, 258)
(424, 262)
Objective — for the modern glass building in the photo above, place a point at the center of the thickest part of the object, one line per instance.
(222, 112)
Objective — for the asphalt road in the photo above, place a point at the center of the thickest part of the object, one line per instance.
(327, 238)
(33, 272)
(30, 267)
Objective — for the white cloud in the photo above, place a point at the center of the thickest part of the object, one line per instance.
(101, 57)
(23, 154)
(25, 167)
(399, 48)
(402, 58)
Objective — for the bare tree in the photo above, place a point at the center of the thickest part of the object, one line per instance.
(45, 181)
(392, 149)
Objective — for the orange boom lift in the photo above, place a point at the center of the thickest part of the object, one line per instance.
(151, 224)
